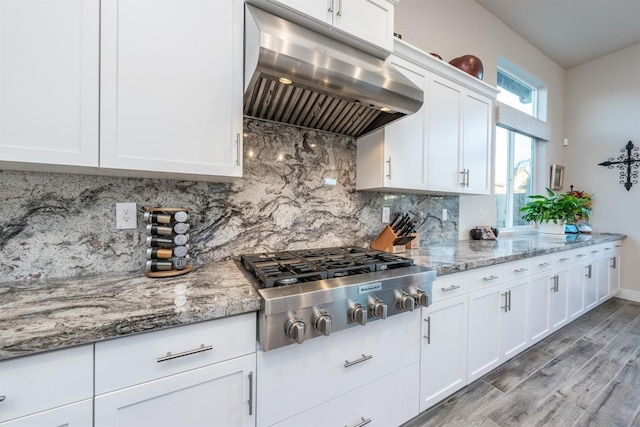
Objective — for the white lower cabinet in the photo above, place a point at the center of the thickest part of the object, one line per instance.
(78, 414)
(614, 274)
(443, 353)
(388, 401)
(497, 326)
(215, 395)
(539, 307)
(297, 378)
(559, 299)
(590, 285)
(48, 389)
(576, 291)
(193, 375)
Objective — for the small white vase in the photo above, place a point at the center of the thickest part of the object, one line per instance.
(551, 228)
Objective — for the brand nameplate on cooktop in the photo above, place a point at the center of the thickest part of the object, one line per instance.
(369, 287)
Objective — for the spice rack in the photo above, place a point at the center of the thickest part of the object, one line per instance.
(168, 248)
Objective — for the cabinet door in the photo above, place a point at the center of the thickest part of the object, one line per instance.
(484, 331)
(404, 139)
(576, 291)
(78, 414)
(538, 307)
(171, 86)
(443, 356)
(222, 394)
(443, 129)
(320, 10)
(602, 271)
(49, 81)
(614, 274)
(559, 296)
(476, 143)
(369, 20)
(590, 286)
(514, 319)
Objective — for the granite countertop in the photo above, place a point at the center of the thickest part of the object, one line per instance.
(56, 313)
(464, 255)
(43, 315)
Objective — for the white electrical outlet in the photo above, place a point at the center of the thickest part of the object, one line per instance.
(445, 215)
(386, 214)
(126, 216)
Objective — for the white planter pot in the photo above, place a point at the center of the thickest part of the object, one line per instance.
(551, 228)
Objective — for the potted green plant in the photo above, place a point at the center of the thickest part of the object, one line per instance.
(553, 211)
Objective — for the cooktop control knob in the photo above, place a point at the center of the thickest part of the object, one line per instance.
(378, 309)
(358, 314)
(406, 302)
(294, 329)
(323, 324)
(422, 298)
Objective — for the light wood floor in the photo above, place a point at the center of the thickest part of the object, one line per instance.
(585, 374)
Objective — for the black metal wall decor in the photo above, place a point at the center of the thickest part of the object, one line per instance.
(628, 165)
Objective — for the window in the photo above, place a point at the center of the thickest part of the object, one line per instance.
(514, 155)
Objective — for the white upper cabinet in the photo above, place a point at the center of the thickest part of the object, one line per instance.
(49, 82)
(368, 23)
(445, 147)
(382, 162)
(171, 87)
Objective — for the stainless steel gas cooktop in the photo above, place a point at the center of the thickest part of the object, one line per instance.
(317, 292)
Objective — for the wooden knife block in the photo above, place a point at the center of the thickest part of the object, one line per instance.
(384, 241)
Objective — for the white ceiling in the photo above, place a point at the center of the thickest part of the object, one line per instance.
(571, 32)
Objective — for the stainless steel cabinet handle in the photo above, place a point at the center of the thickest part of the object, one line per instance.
(588, 275)
(364, 422)
(487, 279)
(564, 259)
(340, 14)
(506, 301)
(509, 299)
(594, 252)
(521, 270)
(618, 246)
(580, 255)
(330, 6)
(238, 153)
(467, 178)
(250, 393)
(170, 356)
(544, 264)
(557, 283)
(2, 398)
(614, 262)
(464, 178)
(450, 288)
(428, 336)
(355, 362)
(607, 249)
(389, 174)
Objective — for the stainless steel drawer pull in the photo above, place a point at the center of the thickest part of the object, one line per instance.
(355, 362)
(594, 252)
(238, 153)
(2, 398)
(250, 393)
(580, 255)
(607, 249)
(618, 246)
(505, 307)
(364, 422)
(489, 278)
(389, 174)
(330, 6)
(450, 288)
(521, 270)
(613, 265)
(544, 264)
(564, 259)
(588, 275)
(170, 356)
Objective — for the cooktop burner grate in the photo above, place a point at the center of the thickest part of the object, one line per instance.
(300, 266)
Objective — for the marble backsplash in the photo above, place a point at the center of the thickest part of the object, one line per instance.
(59, 225)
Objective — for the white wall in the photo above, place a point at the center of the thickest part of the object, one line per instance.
(456, 27)
(602, 115)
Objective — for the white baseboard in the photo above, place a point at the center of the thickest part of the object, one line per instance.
(629, 294)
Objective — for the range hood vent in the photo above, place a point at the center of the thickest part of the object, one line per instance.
(327, 85)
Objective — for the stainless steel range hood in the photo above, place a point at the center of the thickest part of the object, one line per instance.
(334, 87)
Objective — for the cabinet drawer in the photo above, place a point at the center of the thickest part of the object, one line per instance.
(44, 381)
(543, 263)
(389, 401)
(484, 277)
(517, 269)
(78, 414)
(123, 362)
(449, 286)
(298, 377)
